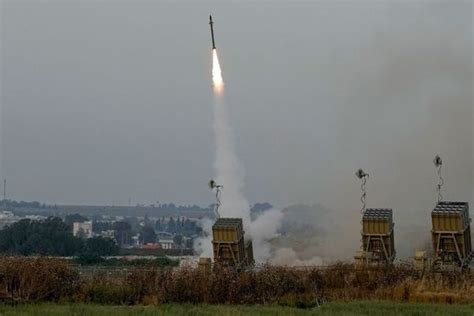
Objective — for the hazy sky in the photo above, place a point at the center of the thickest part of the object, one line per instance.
(106, 100)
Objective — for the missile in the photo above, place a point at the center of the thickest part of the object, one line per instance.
(212, 32)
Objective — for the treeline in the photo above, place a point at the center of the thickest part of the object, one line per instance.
(157, 262)
(173, 207)
(22, 204)
(165, 207)
(51, 237)
(169, 207)
(180, 226)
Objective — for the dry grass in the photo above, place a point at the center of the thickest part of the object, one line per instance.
(46, 279)
(36, 279)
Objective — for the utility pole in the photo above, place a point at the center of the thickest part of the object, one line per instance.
(4, 190)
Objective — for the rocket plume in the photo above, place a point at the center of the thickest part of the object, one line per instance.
(227, 168)
(217, 81)
(230, 174)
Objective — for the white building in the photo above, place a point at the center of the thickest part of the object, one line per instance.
(136, 240)
(7, 218)
(166, 243)
(83, 229)
(108, 234)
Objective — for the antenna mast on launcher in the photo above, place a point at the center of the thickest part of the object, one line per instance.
(213, 185)
(438, 162)
(363, 177)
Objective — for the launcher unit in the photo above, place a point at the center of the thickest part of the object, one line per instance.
(422, 261)
(378, 244)
(249, 252)
(205, 264)
(229, 245)
(451, 234)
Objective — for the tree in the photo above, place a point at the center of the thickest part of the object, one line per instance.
(178, 240)
(134, 223)
(44, 237)
(98, 227)
(189, 243)
(100, 246)
(147, 220)
(123, 232)
(180, 225)
(158, 226)
(149, 235)
(171, 226)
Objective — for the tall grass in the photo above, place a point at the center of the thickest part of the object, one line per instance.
(37, 279)
(47, 279)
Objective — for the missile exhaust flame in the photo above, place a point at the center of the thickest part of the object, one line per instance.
(217, 80)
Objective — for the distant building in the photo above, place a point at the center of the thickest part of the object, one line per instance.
(110, 233)
(151, 246)
(7, 218)
(6, 215)
(35, 217)
(166, 243)
(82, 229)
(136, 240)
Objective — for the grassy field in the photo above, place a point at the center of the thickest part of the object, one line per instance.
(335, 308)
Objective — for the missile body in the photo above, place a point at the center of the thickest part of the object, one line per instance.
(212, 32)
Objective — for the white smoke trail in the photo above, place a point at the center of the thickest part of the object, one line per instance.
(227, 168)
(203, 245)
(230, 174)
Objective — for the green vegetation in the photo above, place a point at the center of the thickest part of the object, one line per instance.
(154, 252)
(336, 308)
(99, 246)
(46, 237)
(11, 204)
(50, 237)
(116, 262)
